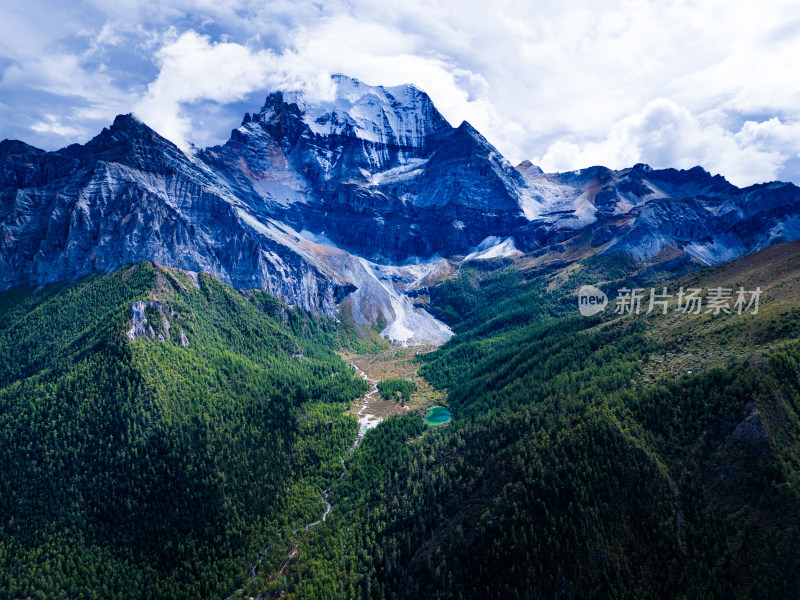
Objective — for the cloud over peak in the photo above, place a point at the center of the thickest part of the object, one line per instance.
(568, 85)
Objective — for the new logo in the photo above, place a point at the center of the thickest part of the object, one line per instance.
(591, 300)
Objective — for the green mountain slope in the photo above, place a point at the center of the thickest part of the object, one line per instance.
(158, 434)
(155, 467)
(568, 470)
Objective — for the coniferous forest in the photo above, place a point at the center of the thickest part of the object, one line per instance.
(150, 469)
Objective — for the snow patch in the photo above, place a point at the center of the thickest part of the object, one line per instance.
(411, 168)
(494, 247)
(383, 115)
(544, 199)
(720, 250)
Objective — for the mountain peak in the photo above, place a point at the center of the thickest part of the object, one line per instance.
(17, 148)
(696, 178)
(466, 135)
(466, 170)
(127, 125)
(127, 121)
(128, 141)
(526, 167)
(124, 128)
(402, 115)
(467, 130)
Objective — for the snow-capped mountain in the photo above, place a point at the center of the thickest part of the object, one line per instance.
(358, 198)
(401, 117)
(377, 170)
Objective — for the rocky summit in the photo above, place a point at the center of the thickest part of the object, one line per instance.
(359, 197)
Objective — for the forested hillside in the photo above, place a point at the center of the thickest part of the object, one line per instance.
(566, 472)
(155, 467)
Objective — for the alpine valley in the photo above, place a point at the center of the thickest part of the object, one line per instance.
(216, 367)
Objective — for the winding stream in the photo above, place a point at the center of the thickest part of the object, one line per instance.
(366, 421)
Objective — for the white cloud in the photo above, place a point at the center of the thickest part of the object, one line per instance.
(192, 69)
(771, 135)
(665, 134)
(52, 124)
(527, 75)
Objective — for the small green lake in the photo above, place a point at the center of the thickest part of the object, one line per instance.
(438, 415)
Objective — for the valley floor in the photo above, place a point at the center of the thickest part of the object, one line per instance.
(397, 363)
(370, 410)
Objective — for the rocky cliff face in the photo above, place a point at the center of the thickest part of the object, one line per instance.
(314, 199)
(130, 195)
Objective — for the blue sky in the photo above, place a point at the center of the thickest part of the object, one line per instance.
(565, 84)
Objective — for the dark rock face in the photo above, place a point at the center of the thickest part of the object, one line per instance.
(715, 221)
(445, 207)
(643, 211)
